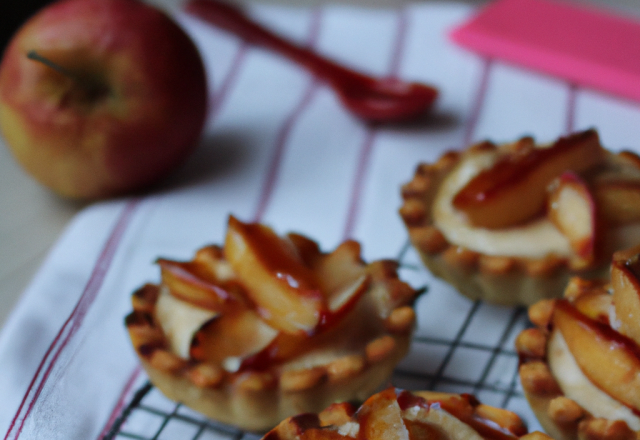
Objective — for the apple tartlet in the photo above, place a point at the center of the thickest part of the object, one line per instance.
(395, 414)
(580, 363)
(266, 327)
(510, 224)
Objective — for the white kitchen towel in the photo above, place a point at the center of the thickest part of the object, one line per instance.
(280, 149)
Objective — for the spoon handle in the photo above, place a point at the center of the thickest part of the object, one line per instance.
(232, 19)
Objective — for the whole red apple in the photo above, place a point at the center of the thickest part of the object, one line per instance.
(101, 97)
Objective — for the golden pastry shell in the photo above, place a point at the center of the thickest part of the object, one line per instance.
(505, 280)
(258, 400)
(561, 417)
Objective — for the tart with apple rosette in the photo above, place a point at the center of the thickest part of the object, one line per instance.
(267, 327)
(510, 224)
(580, 364)
(395, 414)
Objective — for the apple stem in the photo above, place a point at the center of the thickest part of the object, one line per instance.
(93, 89)
(33, 55)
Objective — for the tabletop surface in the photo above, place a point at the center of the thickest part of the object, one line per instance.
(32, 219)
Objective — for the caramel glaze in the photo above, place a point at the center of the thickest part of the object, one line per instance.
(514, 168)
(272, 354)
(281, 261)
(392, 297)
(615, 339)
(488, 429)
(300, 423)
(285, 345)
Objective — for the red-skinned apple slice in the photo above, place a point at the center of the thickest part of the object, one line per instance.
(307, 249)
(572, 210)
(231, 337)
(513, 190)
(610, 361)
(286, 345)
(489, 422)
(341, 275)
(285, 291)
(335, 270)
(343, 299)
(340, 267)
(625, 271)
(187, 282)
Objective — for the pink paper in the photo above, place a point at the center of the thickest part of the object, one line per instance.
(583, 45)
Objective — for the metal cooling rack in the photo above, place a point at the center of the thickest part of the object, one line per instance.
(459, 346)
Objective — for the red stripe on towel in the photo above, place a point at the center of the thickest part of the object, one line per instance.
(74, 321)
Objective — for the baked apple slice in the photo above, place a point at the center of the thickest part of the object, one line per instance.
(462, 416)
(180, 320)
(189, 282)
(513, 190)
(625, 280)
(341, 275)
(340, 267)
(284, 290)
(610, 360)
(595, 305)
(618, 200)
(437, 419)
(395, 414)
(571, 208)
(287, 345)
(231, 337)
(343, 299)
(380, 418)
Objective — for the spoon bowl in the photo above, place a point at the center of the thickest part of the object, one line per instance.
(387, 99)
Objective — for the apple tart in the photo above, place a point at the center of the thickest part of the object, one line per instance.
(395, 414)
(580, 363)
(511, 223)
(266, 326)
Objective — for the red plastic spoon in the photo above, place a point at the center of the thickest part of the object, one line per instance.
(377, 100)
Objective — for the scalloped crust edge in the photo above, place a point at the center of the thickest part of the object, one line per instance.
(257, 401)
(561, 417)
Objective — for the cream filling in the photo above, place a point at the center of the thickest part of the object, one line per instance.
(180, 321)
(577, 387)
(536, 239)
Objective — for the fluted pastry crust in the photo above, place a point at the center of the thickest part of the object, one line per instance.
(400, 414)
(496, 278)
(563, 418)
(257, 398)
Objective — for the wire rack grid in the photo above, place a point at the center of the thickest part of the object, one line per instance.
(459, 346)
